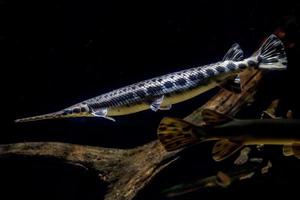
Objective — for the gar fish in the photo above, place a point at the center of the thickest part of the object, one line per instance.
(161, 92)
(231, 134)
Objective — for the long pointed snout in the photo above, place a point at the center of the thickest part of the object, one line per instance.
(55, 115)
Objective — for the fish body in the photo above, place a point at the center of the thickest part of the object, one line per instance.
(232, 134)
(259, 131)
(162, 92)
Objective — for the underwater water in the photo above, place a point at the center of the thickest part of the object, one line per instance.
(64, 52)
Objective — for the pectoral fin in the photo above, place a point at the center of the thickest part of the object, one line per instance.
(102, 113)
(224, 149)
(167, 107)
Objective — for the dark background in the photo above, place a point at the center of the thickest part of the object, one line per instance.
(62, 52)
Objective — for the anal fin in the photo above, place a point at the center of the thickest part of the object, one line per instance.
(232, 84)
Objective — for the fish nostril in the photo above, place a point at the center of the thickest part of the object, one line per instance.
(67, 112)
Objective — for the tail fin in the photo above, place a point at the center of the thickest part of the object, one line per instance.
(176, 133)
(54, 115)
(271, 55)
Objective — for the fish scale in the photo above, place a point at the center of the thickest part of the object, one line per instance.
(150, 85)
(162, 92)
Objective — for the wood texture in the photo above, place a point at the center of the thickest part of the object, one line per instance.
(127, 172)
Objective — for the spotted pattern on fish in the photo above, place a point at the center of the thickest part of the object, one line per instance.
(141, 93)
(210, 72)
(242, 66)
(231, 66)
(168, 84)
(193, 77)
(176, 82)
(220, 69)
(181, 81)
(174, 87)
(154, 90)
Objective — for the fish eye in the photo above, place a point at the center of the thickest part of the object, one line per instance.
(85, 108)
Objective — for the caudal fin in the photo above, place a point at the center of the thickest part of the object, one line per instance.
(271, 55)
(176, 133)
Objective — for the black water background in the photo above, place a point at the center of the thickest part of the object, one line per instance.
(62, 52)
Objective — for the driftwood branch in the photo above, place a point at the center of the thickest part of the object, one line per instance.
(229, 103)
(243, 168)
(127, 172)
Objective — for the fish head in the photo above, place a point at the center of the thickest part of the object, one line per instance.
(77, 110)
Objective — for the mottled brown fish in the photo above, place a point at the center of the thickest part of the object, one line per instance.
(231, 134)
(162, 92)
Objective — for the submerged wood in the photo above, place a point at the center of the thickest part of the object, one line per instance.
(127, 172)
(238, 172)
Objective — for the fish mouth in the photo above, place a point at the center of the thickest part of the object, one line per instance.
(55, 115)
(80, 110)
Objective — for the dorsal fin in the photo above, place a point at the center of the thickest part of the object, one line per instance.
(212, 117)
(235, 53)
